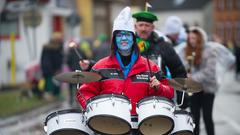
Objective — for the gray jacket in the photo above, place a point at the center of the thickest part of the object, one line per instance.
(205, 74)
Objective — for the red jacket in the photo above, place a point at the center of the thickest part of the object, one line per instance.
(135, 86)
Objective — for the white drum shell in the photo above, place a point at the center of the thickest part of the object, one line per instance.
(155, 116)
(67, 121)
(110, 106)
(183, 123)
(155, 107)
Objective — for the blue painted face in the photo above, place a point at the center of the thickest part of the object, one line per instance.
(124, 40)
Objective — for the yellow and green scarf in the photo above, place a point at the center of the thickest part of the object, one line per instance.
(143, 45)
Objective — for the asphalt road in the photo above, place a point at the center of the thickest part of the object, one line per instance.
(226, 107)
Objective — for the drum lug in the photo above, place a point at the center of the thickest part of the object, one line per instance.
(57, 119)
(90, 106)
(113, 101)
(154, 103)
(173, 109)
(83, 118)
(188, 120)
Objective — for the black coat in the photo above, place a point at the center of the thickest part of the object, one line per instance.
(51, 60)
(159, 47)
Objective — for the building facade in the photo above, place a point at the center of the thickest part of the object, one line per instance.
(227, 20)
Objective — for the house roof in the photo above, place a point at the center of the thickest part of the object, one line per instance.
(166, 5)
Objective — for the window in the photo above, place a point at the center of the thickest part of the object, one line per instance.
(8, 24)
(238, 4)
(220, 29)
(229, 30)
(237, 32)
(65, 3)
(220, 5)
(229, 5)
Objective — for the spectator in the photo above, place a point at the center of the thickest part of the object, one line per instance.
(203, 71)
(156, 48)
(52, 62)
(174, 30)
(73, 64)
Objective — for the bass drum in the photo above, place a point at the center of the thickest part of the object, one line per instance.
(66, 122)
(184, 124)
(109, 114)
(155, 115)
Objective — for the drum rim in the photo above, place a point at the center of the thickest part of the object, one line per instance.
(182, 131)
(88, 121)
(107, 95)
(85, 133)
(59, 112)
(170, 130)
(153, 97)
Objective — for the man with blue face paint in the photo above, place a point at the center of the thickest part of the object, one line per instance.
(124, 40)
(125, 71)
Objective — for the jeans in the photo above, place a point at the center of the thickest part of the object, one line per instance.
(203, 101)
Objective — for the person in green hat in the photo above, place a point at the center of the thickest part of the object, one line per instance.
(156, 48)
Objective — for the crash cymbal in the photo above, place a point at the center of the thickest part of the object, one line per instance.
(185, 84)
(78, 77)
(175, 84)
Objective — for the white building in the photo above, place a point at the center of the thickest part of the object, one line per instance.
(28, 50)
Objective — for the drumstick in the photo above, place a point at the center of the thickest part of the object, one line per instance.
(73, 44)
(149, 67)
(151, 73)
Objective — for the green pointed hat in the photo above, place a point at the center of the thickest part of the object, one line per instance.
(145, 16)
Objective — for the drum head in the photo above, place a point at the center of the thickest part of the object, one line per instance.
(68, 132)
(109, 125)
(156, 125)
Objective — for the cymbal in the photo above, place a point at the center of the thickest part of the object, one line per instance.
(185, 84)
(78, 77)
(175, 84)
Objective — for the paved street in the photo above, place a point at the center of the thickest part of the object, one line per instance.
(226, 110)
(226, 107)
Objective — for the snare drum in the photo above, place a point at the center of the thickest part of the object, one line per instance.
(109, 114)
(184, 124)
(155, 115)
(66, 122)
